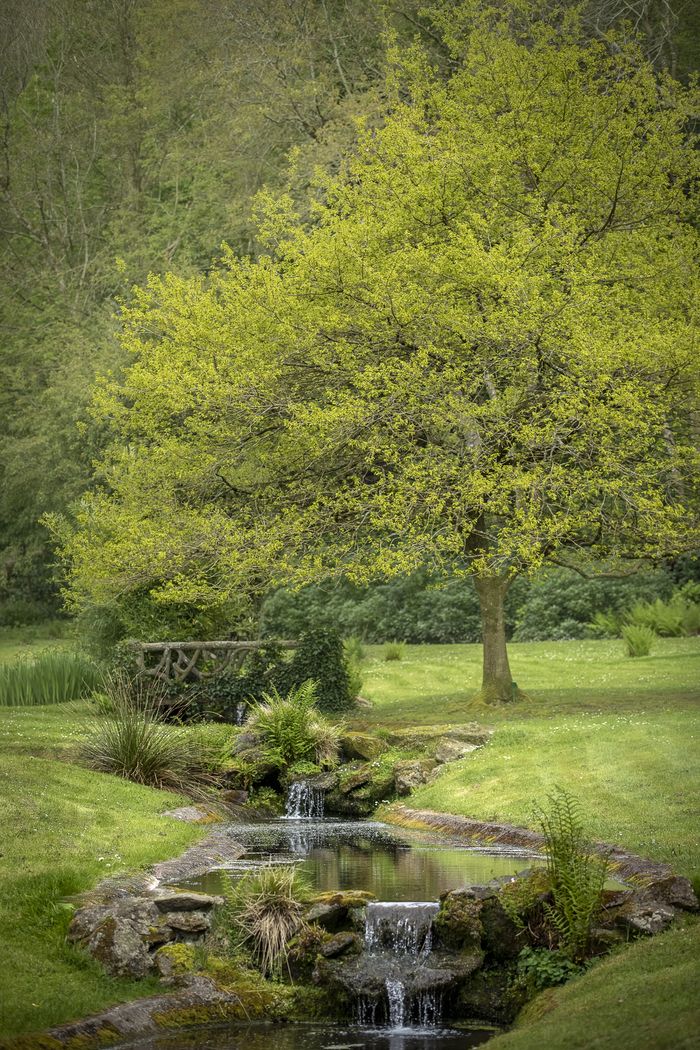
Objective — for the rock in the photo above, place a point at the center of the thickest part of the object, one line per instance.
(200, 1000)
(186, 901)
(355, 780)
(346, 898)
(234, 797)
(329, 916)
(502, 940)
(647, 917)
(188, 922)
(604, 940)
(190, 814)
(458, 922)
(174, 961)
(410, 774)
(117, 935)
(244, 742)
(676, 891)
(449, 750)
(425, 738)
(362, 745)
(324, 781)
(341, 944)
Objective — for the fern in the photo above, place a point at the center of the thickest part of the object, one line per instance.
(292, 729)
(577, 875)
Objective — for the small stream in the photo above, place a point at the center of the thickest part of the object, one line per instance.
(395, 864)
(399, 994)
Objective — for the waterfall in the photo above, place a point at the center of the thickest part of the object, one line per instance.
(396, 994)
(241, 713)
(403, 927)
(304, 802)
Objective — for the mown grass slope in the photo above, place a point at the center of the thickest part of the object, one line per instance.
(64, 828)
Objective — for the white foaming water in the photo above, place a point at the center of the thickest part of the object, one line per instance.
(396, 995)
(304, 802)
(402, 927)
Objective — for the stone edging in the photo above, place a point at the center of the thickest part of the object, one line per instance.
(658, 878)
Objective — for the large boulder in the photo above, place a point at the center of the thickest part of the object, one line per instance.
(123, 933)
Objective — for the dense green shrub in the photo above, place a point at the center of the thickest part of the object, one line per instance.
(51, 677)
(320, 657)
(561, 604)
(638, 639)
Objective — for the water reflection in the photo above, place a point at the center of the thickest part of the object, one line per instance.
(392, 863)
(314, 1037)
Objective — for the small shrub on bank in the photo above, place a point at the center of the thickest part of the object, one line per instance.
(264, 910)
(133, 741)
(394, 651)
(51, 677)
(540, 968)
(637, 640)
(320, 657)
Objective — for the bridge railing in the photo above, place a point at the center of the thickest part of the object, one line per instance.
(180, 661)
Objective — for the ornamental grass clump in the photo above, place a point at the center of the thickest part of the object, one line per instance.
(133, 741)
(264, 911)
(576, 876)
(51, 677)
(292, 729)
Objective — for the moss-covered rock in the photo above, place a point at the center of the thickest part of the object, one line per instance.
(364, 746)
(175, 960)
(458, 922)
(361, 787)
(493, 995)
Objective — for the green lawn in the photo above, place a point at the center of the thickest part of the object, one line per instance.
(619, 733)
(434, 683)
(25, 641)
(64, 829)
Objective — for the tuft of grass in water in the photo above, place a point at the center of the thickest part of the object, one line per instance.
(265, 909)
(638, 639)
(53, 676)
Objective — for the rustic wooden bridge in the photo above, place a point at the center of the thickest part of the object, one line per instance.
(181, 661)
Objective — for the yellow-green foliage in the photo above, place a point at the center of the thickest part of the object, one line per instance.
(477, 346)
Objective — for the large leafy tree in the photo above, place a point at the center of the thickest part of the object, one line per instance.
(476, 356)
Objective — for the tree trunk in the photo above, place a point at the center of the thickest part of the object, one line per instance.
(497, 684)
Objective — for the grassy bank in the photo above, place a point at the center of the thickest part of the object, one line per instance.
(67, 829)
(620, 734)
(644, 998)
(28, 641)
